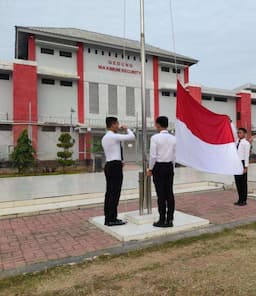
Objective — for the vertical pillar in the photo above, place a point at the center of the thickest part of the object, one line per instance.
(80, 97)
(24, 96)
(186, 75)
(156, 86)
(88, 141)
(31, 48)
(195, 91)
(243, 111)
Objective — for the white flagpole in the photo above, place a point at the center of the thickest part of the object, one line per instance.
(144, 192)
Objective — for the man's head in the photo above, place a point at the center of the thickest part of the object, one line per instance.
(161, 123)
(242, 132)
(112, 124)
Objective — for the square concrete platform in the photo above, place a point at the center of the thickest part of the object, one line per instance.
(140, 227)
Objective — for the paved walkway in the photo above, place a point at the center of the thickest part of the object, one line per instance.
(28, 240)
(23, 188)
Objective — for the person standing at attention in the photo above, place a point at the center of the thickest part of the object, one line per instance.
(161, 166)
(243, 149)
(112, 146)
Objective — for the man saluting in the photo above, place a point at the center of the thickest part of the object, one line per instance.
(161, 165)
(112, 145)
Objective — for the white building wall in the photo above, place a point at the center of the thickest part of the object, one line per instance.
(167, 107)
(168, 80)
(227, 108)
(55, 102)
(56, 62)
(6, 142)
(254, 116)
(47, 144)
(6, 99)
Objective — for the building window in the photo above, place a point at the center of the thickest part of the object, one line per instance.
(176, 71)
(48, 128)
(109, 54)
(102, 52)
(254, 102)
(5, 127)
(96, 51)
(122, 56)
(166, 93)
(148, 112)
(47, 81)
(94, 98)
(128, 57)
(89, 50)
(65, 129)
(47, 50)
(220, 99)
(116, 55)
(4, 76)
(165, 69)
(206, 98)
(112, 99)
(66, 83)
(130, 101)
(66, 54)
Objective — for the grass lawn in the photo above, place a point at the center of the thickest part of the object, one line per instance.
(217, 264)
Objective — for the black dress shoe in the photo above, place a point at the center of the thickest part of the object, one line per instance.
(159, 224)
(244, 203)
(237, 203)
(115, 223)
(169, 223)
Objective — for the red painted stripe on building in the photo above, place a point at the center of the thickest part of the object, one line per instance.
(206, 125)
(24, 94)
(31, 48)
(80, 86)
(243, 109)
(186, 75)
(195, 92)
(156, 86)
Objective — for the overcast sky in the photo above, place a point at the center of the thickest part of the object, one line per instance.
(219, 33)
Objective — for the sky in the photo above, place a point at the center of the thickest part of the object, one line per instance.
(219, 33)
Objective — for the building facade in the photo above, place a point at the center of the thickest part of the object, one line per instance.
(69, 80)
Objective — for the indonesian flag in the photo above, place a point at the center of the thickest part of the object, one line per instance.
(204, 139)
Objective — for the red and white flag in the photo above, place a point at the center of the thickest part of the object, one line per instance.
(204, 139)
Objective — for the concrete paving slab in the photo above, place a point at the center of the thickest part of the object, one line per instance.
(132, 231)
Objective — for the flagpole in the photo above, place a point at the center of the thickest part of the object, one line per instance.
(144, 182)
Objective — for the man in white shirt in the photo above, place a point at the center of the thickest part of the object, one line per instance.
(161, 166)
(112, 145)
(243, 149)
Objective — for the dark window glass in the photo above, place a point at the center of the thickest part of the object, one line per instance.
(66, 54)
(4, 76)
(116, 55)
(5, 127)
(220, 99)
(102, 52)
(47, 50)
(253, 102)
(65, 129)
(165, 69)
(206, 98)
(128, 57)
(96, 51)
(48, 128)
(66, 83)
(89, 50)
(122, 56)
(134, 58)
(109, 54)
(47, 81)
(166, 93)
(176, 71)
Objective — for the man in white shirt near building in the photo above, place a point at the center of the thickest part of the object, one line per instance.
(161, 166)
(112, 145)
(243, 149)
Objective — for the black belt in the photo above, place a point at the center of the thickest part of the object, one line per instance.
(164, 162)
(114, 161)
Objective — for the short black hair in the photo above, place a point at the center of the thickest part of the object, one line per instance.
(162, 121)
(110, 120)
(243, 129)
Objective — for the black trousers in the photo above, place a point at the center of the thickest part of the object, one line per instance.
(114, 179)
(163, 179)
(242, 187)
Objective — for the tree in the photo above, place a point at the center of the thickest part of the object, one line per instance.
(23, 156)
(65, 156)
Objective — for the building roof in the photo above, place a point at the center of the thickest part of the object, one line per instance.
(247, 86)
(80, 35)
(218, 91)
